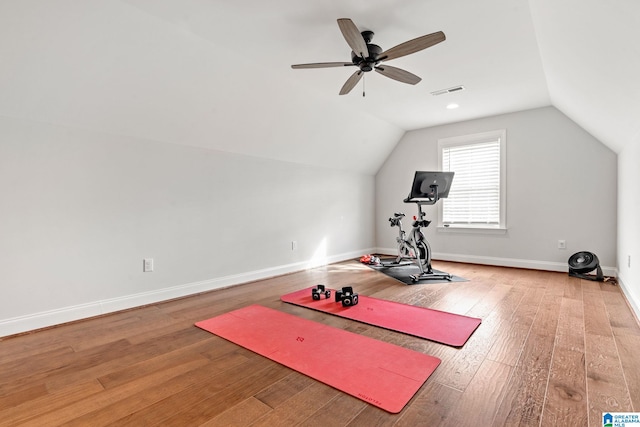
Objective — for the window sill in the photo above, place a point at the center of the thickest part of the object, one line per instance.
(472, 230)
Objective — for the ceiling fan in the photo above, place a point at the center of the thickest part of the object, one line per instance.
(368, 57)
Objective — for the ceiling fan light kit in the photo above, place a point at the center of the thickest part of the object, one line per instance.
(368, 56)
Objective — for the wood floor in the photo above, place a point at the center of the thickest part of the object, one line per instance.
(551, 351)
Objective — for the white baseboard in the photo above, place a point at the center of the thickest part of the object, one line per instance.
(503, 262)
(633, 303)
(45, 319)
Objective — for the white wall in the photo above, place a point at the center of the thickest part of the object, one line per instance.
(80, 210)
(561, 184)
(628, 219)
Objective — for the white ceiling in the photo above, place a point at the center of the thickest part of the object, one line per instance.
(216, 74)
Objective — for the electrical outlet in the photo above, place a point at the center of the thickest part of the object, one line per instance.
(294, 245)
(147, 265)
(562, 244)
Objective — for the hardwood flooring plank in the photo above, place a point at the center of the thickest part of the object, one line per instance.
(21, 372)
(200, 404)
(566, 399)
(597, 322)
(26, 346)
(114, 328)
(113, 404)
(489, 301)
(526, 390)
(336, 412)
(99, 361)
(433, 405)
(628, 346)
(606, 385)
(25, 394)
(191, 354)
(242, 414)
(424, 295)
(299, 407)
(458, 369)
(156, 328)
(508, 341)
(373, 416)
(621, 319)
(32, 411)
(283, 390)
(461, 296)
(572, 288)
(482, 397)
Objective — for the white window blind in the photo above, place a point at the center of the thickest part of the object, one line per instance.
(474, 198)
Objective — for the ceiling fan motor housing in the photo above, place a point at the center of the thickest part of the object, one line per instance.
(367, 64)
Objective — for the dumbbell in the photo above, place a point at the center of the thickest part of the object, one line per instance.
(346, 296)
(319, 291)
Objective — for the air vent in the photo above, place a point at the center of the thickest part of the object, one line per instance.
(449, 90)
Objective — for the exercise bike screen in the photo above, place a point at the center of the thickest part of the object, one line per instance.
(422, 182)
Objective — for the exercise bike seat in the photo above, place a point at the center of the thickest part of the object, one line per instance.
(395, 221)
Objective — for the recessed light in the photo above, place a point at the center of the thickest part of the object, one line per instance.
(452, 106)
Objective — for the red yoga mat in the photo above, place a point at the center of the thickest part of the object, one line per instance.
(379, 373)
(440, 326)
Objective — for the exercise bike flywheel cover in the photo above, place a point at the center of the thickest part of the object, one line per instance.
(583, 262)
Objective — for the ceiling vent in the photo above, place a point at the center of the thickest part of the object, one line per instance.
(449, 90)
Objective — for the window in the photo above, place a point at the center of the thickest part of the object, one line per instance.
(477, 196)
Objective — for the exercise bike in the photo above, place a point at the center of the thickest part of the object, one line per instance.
(427, 189)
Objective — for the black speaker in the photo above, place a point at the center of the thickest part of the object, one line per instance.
(584, 262)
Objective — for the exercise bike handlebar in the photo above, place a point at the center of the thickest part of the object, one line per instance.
(425, 201)
(421, 223)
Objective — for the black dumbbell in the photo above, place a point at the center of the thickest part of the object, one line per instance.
(319, 291)
(347, 297)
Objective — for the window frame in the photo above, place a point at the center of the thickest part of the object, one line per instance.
(470, 139)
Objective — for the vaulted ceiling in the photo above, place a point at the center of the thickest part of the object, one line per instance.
(216, 74)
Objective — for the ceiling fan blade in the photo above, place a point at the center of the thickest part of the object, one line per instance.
(353, 37)
(398, 74)
(351, 82)
(412, 46)
(323, 65)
